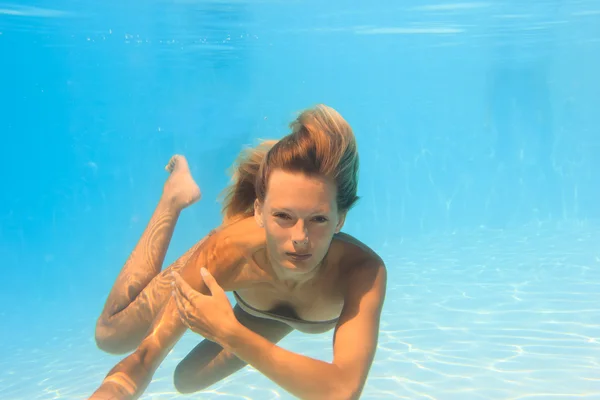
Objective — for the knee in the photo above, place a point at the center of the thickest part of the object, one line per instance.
(187, 380)
(108, 340)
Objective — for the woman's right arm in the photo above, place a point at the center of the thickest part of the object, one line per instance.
(130, 377)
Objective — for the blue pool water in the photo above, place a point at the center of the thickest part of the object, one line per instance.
(478, 129)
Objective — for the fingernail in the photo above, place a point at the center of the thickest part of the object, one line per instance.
(203, 271)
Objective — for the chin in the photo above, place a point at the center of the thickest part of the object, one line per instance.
(307, 265)
(291, 264)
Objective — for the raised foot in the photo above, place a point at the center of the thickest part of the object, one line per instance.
(180, 188)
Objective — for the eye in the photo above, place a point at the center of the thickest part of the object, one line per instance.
(320, 219)
(282, 216)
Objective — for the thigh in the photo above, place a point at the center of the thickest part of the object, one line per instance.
(122, 332)
(208, 362)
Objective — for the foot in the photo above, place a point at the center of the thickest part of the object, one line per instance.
(111, 391)
(180, 190)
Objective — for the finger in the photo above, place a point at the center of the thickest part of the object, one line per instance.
(178, 302)
(183, 304)
(183, 288)
(183, 318)
(177, 298)
(210, 282)
(181, 309)
(184, 321)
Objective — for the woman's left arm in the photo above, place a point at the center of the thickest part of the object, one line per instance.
(354, 345)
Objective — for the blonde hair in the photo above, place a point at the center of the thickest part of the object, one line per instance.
(321, 143)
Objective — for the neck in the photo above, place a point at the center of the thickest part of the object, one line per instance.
(289, 277)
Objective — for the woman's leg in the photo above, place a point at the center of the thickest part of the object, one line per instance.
(130, 377)
(208, 362)
(138, 294)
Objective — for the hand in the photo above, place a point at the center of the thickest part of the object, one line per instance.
(208, 315)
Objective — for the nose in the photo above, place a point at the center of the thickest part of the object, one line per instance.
(299, 233)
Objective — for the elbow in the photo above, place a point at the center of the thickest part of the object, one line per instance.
(355, 395)
(350, 394)
(341, 394)
(344, 390)
(337, 384)
(109, 341)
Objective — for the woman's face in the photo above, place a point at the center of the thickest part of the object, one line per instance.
(300, 217)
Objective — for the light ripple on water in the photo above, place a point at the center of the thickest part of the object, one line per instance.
(473, 316)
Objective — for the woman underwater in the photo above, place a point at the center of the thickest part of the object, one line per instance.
(281, 253)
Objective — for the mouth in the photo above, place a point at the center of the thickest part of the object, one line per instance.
(299, 256)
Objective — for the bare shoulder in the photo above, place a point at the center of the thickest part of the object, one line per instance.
(353, 253)
(358, 264)
(231, 252)
(222, 253)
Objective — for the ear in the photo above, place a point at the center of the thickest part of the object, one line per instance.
(341, 220)
(258, 213)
